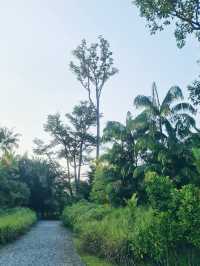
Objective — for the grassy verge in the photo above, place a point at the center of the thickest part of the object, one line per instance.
(135, 235)
(88, 259)
(14, 223)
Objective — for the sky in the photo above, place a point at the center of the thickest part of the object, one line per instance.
(36, 41)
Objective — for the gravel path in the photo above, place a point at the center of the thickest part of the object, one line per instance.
(47, 244)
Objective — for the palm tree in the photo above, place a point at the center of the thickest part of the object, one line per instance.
(163, 115)
(8, 139)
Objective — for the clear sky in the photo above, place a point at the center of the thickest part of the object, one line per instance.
(36, 40)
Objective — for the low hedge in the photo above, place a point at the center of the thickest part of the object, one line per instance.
(14, 223)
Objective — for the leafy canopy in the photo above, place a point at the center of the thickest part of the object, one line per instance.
(185, 14)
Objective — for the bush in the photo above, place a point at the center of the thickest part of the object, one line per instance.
(159, 191)
(188, 215)
(111, 185)
(150, 238)
(100, 182)
(169, 237)
(15, 222)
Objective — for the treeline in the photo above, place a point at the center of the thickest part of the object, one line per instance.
(29, 182)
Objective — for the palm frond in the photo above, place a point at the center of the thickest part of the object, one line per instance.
(141, 121)
(8, 139)
(184, 124)
(142, 101)
(145, 102)
(184, 106)
(186, 119)
(174, 94)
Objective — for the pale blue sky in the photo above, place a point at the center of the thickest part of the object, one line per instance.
(36, 40)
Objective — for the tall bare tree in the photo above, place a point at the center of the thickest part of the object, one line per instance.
(94, 67)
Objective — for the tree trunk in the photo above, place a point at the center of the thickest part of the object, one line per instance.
(80, 161)
(69, 178)
(68, 171)
(98, 129)
(75, 175)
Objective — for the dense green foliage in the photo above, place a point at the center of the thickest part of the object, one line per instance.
(144, 202)
(46, 183)
(13, 192)
(30, 182)
(160, 139)
(141, 235)
(15, 222)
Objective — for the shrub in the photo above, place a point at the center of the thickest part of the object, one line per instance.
(159, 191)
(171, 236)
(188, 215)
(149, 237)
(100, 182)
(15, 222)
(112, 186)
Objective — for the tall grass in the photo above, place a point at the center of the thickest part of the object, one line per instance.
(102, 229)
(129, 236)
(87, 258)
(15, 222)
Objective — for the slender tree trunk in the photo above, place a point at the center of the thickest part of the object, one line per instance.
(98, 129)
(80, 161)
(69, 177)
(75, 175)
(68, 171)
